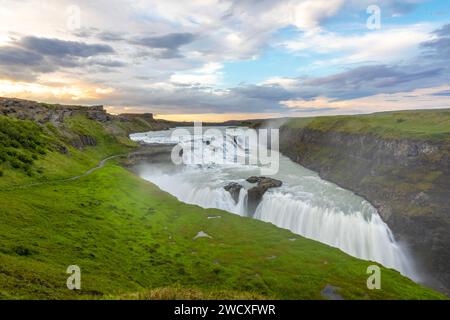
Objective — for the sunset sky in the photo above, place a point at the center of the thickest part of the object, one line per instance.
(220, 59)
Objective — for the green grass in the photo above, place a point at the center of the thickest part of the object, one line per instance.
(41, 147)
(419, 124)
(21, 143)
(128, 236)
(132, 240)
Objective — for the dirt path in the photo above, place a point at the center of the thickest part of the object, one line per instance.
(100, 165)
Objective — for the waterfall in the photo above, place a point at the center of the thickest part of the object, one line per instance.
(305, 204)
(368, 239)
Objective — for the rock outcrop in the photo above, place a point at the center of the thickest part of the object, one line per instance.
(407, 180)
(84, 141)
(234, 189)
(256, 193)
(43, 112)
(56, 114)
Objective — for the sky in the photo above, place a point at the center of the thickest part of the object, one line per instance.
(215, 60)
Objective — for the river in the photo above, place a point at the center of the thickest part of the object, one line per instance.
(305, 204)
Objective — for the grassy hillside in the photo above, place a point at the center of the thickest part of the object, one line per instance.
(132, 240)
(128, 236)
(32, 152)
(419, 124)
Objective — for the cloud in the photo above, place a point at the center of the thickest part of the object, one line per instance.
(42, 55)
(111, 36)
(62, 48)
(283, 82)
(178, 57)
(304, 14)
(426, 98)
(392, 7)
(439, 48)
(208, 75)
(386, 45)
(169, 41)
(376, 76)
(444, 31)
(166, 46)
(18, 56)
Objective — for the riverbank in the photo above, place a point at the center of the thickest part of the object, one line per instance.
(127, 236)
(399, 162)
(131, 239)
(298, 200)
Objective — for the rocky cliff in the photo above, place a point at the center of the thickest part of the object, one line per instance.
(407, 179)
(43, 112)
(59, 115)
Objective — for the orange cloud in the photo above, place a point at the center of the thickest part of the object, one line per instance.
(59, 92)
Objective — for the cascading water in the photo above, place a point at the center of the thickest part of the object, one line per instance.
(305, 204)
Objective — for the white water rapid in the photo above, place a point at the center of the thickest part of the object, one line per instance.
(306, 204)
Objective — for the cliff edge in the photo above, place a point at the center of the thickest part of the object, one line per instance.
(399, 161)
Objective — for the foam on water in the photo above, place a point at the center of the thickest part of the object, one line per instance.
(306, 204)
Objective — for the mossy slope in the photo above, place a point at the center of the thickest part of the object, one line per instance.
(130, 238)
(127, 236)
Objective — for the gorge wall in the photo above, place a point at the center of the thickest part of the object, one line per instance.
(407, 180)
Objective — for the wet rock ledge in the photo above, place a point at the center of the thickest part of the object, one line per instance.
(254, 194)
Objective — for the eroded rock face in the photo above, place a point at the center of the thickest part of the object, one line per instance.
(84, 141)
(42, 112)
(407, 180)
(256, 193)
(234, 189)
(264, 181)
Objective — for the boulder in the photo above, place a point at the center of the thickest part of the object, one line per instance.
(234, 189)
(256, 193)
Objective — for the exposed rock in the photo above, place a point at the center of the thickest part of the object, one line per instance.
(84, 141)
(202, 234)
(98, 113)
(62, 149)
(407, 180)
(272, 183)
(54, 113)
(330, 293)
(421, 199)
(234, 189)
(256, 193)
